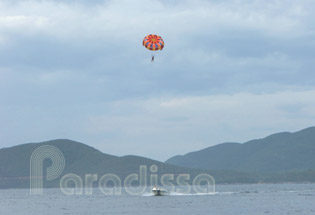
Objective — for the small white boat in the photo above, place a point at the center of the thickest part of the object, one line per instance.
(158, 191)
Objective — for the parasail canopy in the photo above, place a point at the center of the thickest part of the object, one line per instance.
(153, 42)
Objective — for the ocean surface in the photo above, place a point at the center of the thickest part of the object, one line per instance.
(227, 200)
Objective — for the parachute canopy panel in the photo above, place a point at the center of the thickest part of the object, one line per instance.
(153, 42)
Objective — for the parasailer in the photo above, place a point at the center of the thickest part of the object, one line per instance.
(153, 42)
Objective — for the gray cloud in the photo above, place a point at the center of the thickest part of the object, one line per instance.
(67, 68)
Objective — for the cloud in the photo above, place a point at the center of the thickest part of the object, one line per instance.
(180, 124)
(83, 60)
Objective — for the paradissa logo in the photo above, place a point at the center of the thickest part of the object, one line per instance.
(202, 183)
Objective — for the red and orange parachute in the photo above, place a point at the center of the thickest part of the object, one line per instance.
(153, 42)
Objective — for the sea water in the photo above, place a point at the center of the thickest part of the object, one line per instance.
(227, 200)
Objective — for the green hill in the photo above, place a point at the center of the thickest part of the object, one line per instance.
(81, 159)
(281, 157)
(279, 153)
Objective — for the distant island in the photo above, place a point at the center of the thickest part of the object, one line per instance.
(278, 158)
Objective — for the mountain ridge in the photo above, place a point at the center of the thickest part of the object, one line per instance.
(82, 160)
(228, 162)
(254, 155)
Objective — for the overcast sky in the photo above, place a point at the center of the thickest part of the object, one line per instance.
(231, 70)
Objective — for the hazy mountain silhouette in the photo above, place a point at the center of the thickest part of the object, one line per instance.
(82, 159)
(281, 152)
(281, 157)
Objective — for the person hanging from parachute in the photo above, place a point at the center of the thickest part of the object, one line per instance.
(153, 42)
